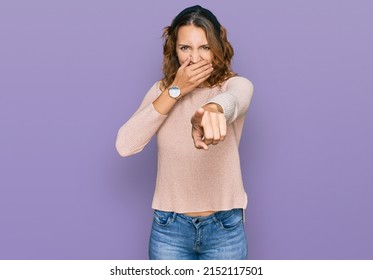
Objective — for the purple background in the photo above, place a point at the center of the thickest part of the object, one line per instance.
(71, 72)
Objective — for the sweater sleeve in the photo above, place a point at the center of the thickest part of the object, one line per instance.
(140, 128)
(235, 100)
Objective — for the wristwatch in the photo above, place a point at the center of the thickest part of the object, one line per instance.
(174, 92)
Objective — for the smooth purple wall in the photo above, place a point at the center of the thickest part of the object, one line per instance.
(71, 72)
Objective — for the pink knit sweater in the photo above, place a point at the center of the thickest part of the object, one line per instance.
(188, 179)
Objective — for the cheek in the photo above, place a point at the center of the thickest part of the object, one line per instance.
(181, 56)
(207, 56)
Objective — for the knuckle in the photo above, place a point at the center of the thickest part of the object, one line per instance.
(208, 136)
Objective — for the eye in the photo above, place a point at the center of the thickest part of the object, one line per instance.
(184, 48)
(205, 48)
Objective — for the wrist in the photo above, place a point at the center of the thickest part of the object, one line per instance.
(183, 88)
(213, 107)
(174, 92)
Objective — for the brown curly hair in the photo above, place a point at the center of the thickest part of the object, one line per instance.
(221, 49)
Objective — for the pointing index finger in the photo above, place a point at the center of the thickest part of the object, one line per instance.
(197, 117)
(185, 63)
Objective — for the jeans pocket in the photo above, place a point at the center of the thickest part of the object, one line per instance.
(232, 220)
(162, 218)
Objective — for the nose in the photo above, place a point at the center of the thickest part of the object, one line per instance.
(195, 57)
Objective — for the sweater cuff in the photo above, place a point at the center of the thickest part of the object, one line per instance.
(229, 104)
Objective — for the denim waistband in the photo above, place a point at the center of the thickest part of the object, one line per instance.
(207, 219)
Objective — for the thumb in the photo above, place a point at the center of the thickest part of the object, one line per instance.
(185, 63)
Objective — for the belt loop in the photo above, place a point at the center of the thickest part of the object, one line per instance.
(173, 217)
(243, 215)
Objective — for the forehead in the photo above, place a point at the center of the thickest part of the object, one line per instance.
(191, 33)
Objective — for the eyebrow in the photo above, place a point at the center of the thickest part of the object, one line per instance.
(186, 45)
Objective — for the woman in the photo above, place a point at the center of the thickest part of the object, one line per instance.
(197, 111)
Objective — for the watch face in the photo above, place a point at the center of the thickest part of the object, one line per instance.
(174, 91)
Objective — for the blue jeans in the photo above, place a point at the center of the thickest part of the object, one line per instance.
(219, 236)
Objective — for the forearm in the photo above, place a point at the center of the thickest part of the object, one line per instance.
(143, 124)
(236, 99)
(138, 130)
